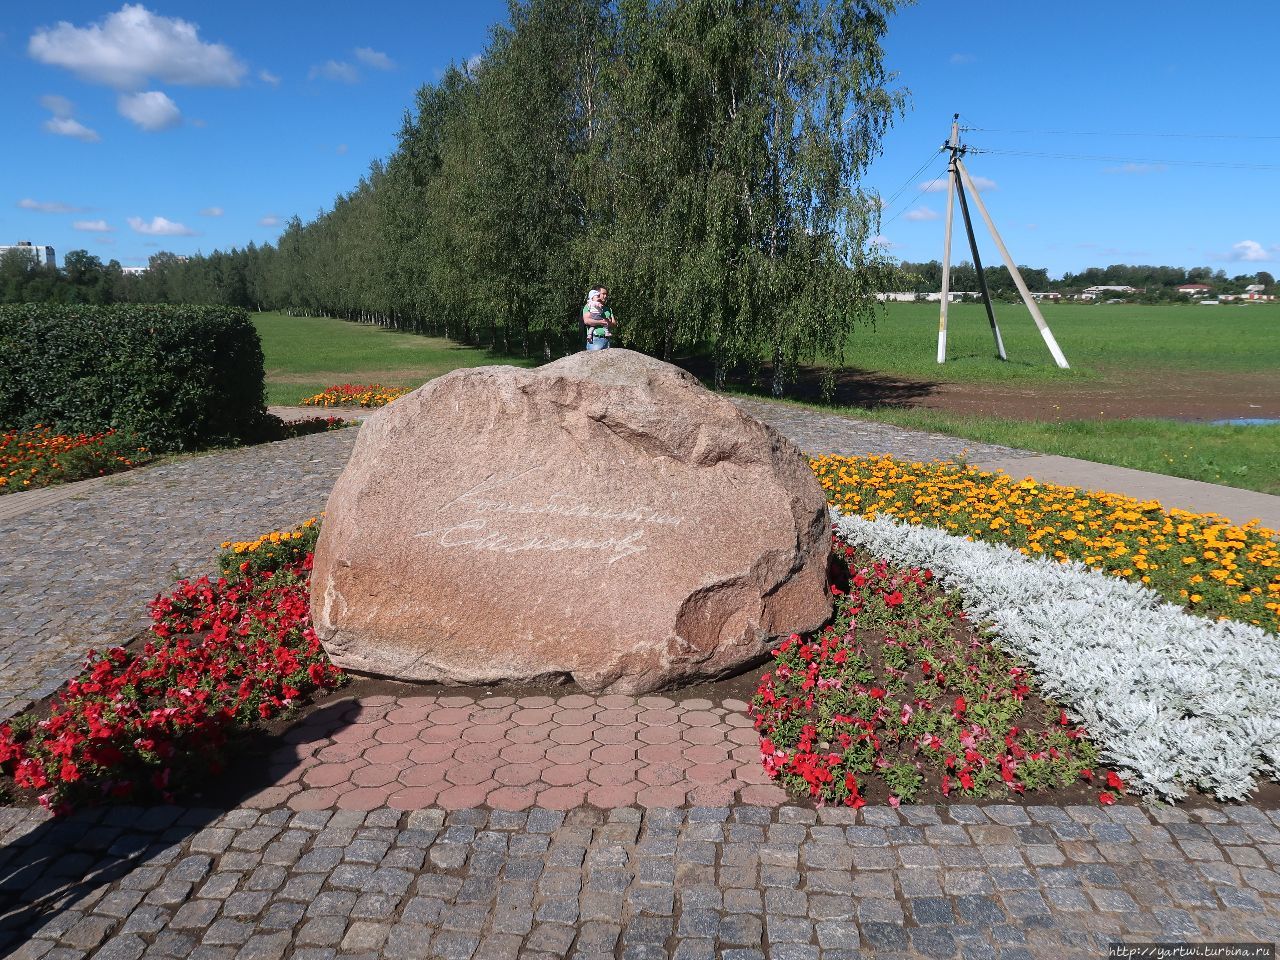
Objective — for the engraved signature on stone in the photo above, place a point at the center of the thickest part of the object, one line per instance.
(475, 534)
(487, 497)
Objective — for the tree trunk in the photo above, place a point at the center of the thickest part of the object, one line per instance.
(779, 372)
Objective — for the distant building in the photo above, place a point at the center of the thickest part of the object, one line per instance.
(1092, 293)
(133, 271)
(42, 255)
(1195, 289)
(953, 296)
(1052, 295)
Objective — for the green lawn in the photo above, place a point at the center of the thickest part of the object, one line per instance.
(1101, 341)
(1245, 457)
(306, 354)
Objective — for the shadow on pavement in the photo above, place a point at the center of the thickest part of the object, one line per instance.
(62, 866)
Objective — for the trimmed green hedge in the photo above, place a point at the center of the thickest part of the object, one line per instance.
(175, 377)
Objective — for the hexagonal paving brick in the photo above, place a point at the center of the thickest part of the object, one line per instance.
(431, 752)
(364, 798)
(395, 732)
(388, 753)
(536, 734)
(699, 718)
(705, 736)
(523, 752)
(326, 775)
(659, 734)
(614, 773)
(445, 733)
(614, 795)
(705, 753)
(571, 752)
(615, 718)
(532, 718)
(661, 774)
(709, 772)
(477, 771)
(480, 752)
(662, 753)
(375, 775)
(414, 798)
(517, 774)
(511, 798)
(672, 796)
(425, 774)
(765, 796)
(713, 794)
(484, 734)
(655, 703)
(573, 734)
(566, 774)
(452, 716)
(573, 718)
(561, 798)
(613, 753)
(465, 795)
(625, 734)
(313, 800)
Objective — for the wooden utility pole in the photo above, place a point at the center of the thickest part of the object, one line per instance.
(958, 180)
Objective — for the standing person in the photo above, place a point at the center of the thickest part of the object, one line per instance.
(597, 319)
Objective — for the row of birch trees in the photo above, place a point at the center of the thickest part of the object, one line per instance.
(702, 158)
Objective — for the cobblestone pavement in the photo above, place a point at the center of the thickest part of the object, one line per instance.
(740, 883)
(77, 573)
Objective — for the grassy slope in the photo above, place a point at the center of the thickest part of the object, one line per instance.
(306, 354)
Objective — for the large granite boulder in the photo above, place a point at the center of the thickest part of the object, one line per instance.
(603, 517)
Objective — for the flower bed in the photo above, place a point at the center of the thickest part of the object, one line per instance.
(900, 695)
(223, 656)
(355, 395)
(1197, 560)
(39, 457)
(1179, 700)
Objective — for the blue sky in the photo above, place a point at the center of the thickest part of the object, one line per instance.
(186, 127)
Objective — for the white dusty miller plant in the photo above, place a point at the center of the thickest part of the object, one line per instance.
(1176, 700)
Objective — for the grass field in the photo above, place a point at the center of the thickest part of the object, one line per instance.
(1101, 341)
(306, 354)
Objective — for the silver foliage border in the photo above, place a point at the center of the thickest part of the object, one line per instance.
(1175, 700)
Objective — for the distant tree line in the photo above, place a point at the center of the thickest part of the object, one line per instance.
(1154, 284)
(703, 158)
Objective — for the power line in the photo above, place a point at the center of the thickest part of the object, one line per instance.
(886, 204)
(1127, 133)
(1220, 164)
(923, 190)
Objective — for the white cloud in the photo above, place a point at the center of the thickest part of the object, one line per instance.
(1136, 169)
(374, 58)
(93, 226)
(62, 123)
(335, 70)
(270, 220)
(922, 213)
(67, 127)
(132, 45)
(474, 63)
(1248, 251)
(211, 212)
(48, 206)
(266, 76)
(880, 240)
(940, 184)
(58, 106)
(340, 149)
(151, 110)
(160, 227)
(960, 59)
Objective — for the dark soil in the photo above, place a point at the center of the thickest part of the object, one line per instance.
(1190, 395)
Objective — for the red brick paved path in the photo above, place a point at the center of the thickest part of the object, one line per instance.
(457, 752)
